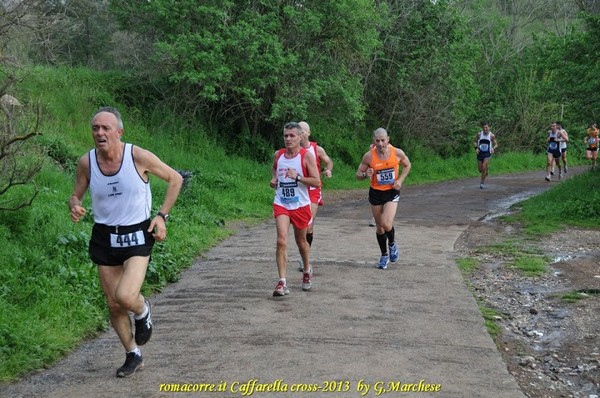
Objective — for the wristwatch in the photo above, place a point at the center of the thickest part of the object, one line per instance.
(165, 216)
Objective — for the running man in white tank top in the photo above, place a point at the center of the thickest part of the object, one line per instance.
(294, 170)
(485, 144)
(124, 231)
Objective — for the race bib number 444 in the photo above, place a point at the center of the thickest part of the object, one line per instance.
(131, 239)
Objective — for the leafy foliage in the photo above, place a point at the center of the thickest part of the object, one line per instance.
(421, 84)
(256, 64)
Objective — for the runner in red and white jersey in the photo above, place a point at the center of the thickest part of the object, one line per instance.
(294, 171)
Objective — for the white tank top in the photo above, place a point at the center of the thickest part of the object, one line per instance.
(123, 198)
(289, 193)
(485, 142)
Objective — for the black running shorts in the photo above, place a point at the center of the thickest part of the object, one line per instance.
(113, 245)
(379, 198)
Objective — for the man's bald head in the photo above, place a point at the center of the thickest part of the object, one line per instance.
(305, 127)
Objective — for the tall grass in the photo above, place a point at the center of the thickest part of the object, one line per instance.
(49, 294)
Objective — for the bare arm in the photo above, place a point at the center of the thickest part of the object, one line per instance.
(364, 170)
(405, 163)
(82, 183)
(148, 163)
(326, 160)
(476, 143)
(273, 182)
(494, 143)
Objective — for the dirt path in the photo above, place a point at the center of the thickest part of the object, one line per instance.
(359, 332)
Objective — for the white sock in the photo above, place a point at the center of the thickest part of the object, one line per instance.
(136, 351)
(283, 280)
(143, 314)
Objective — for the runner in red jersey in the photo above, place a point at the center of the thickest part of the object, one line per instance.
(315, 193)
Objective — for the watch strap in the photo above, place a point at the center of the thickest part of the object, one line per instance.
(164, 216)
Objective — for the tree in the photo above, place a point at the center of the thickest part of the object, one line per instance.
(517, 92)
(588, 6)
(254, 64)
(73, 32)
(420, 84)
(575, 68)
(19, 160)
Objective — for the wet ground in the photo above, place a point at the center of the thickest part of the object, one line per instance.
(550, 324)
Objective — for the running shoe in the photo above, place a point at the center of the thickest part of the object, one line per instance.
(143, 327)
(281, 289)
(307, 281)
(393, 250)
(300, 265)
(552, 173)
(560, 176)
(383, 262)
(547, 178)
(481, 185)
(132, 363)
(566, 169)
(372, 223)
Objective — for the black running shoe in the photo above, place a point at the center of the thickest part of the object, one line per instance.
(143, 327)
(132, 363)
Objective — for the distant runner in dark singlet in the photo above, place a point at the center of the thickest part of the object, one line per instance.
(485, 144)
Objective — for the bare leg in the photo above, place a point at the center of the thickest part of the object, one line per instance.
(303, 247)
(314, 208)
(121, 286)
(281, 256)
(484, 169)
(549, 163)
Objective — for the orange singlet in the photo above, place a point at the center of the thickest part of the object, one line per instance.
(385, 172)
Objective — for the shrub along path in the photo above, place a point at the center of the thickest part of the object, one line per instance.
(360, 331)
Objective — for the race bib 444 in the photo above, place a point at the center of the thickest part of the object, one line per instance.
(131, 239)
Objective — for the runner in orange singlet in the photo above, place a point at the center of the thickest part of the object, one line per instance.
(382, 166)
